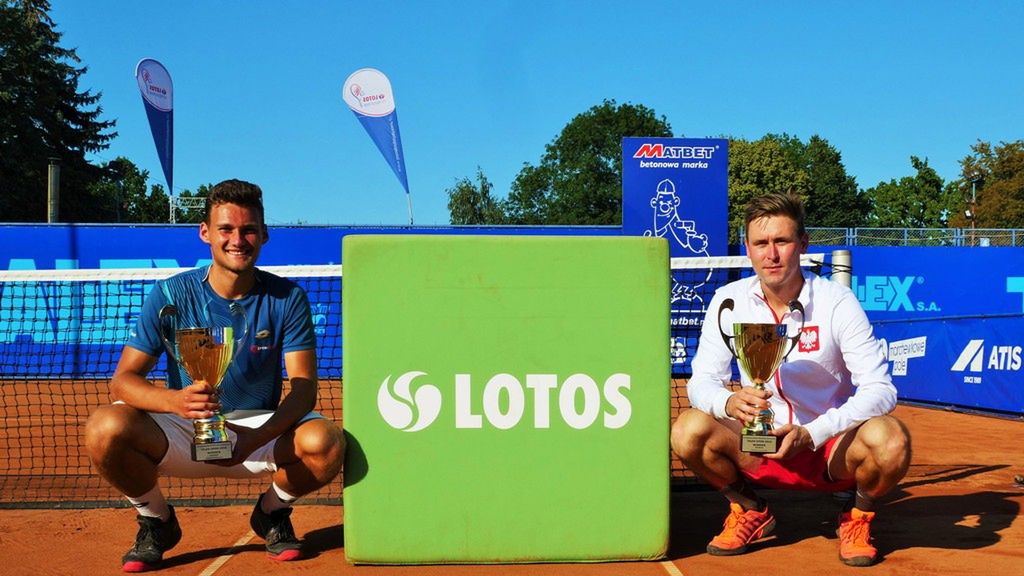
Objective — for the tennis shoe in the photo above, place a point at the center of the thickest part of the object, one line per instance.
(276, 529)
(153, 539)
(741, 528)
(855, 547)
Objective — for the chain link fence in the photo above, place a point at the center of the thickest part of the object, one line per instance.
(912, 236)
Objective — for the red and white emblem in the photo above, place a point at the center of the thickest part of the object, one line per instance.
(809, 339)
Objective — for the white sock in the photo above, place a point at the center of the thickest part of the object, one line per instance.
(275, 499)
(152, 504)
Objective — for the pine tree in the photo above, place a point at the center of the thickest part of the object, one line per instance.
(44, 115)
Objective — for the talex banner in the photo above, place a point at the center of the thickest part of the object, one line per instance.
(677, 189)
(368, 93)
(158, 97)
(970, 362)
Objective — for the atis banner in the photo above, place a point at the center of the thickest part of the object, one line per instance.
(367, 92)
(158, 97)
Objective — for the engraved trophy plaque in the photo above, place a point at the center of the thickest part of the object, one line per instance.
(206, 353)
(759, 350)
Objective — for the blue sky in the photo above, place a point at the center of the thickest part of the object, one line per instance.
(257, 85)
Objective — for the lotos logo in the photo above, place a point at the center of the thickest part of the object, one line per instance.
(410, 411)
(578, 399)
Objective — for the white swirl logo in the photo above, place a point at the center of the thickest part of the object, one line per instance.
(406, 410)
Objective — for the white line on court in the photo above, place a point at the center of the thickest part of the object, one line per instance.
(231, 552)
(671, 568)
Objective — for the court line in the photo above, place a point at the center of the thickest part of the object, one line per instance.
(671, 568)
(227, 555)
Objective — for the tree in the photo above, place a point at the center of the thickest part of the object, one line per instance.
(833, 199)
(121, 195)
(579, 177)
(757, 168)
(43, 115)
(918, 201)
(473, 204)
(998, 176)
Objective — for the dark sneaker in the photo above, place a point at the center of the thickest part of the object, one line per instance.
(741, 528)
(276, 529)
(154, 538)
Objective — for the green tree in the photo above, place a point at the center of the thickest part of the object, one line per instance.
(190, 205)
(44, 115)
(998, 176)
(123, 197)
(579, 177)
(833, 199)
(757, 168)
(470, 203)
(919, 201)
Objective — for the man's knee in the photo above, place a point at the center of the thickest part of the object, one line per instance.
(320, 444)
(888, 440)
(690, 432)
(110, 426)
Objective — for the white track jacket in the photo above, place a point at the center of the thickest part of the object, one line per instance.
(836, 377)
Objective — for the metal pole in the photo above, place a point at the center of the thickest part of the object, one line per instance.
(53, 192)
(842, 267)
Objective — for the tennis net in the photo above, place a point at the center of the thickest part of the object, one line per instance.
(61, 334)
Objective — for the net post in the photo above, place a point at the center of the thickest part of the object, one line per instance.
(842, 267)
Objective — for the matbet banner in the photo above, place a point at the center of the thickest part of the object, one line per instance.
(973, 362)
(677, 189)
(158, 98)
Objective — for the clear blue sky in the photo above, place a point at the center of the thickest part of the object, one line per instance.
(258, 85)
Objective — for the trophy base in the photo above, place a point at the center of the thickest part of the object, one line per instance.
(759, 444)
(211, 451)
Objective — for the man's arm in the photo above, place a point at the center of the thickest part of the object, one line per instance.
(874, 393)
(300, 366)
(707, 389)
(130, 385)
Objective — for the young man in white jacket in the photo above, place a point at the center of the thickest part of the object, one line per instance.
(831, 397)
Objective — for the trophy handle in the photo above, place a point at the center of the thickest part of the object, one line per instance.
(796, 306)
(727, 304)
(168, 321)
(238, 319)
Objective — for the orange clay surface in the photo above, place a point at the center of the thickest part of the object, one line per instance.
(958, 512)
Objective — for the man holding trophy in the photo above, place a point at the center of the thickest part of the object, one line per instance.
(226, 328)
(813, 409)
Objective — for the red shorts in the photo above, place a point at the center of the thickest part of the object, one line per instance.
(807, 470)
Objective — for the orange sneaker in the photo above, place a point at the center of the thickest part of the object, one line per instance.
(855, 547)
(741, 528)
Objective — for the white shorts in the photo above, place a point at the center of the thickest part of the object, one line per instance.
(177, 462)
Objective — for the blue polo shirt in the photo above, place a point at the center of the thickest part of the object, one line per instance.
(277, 319)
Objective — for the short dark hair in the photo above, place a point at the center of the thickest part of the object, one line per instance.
(777, 204)
(240, 192)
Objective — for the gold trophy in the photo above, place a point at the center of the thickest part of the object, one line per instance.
(759, 350)
(206, 354)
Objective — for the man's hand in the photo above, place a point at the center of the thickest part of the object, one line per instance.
(246, 441)
(197, 400)
(745, 404)
(794, 439)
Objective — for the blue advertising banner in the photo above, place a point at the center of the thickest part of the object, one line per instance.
(927, 282)
(968, 362)
(677, 189)
(158, 98)
(368, 93)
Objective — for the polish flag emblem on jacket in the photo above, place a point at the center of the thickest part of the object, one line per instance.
(809, 339)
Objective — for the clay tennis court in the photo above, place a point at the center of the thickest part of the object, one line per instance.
(957, 512)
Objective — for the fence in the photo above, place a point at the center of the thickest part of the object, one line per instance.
(912, 236)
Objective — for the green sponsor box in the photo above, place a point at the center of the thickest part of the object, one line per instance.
(506, 398)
